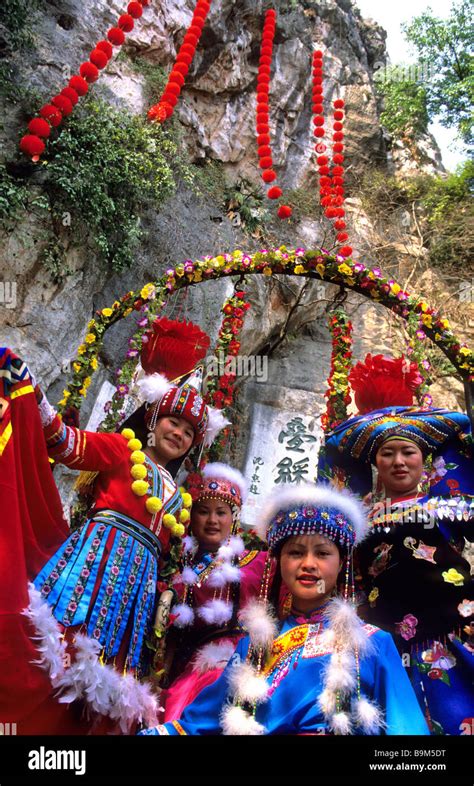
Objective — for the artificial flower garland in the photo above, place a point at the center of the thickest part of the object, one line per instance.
(338, 392)
(331, 173)
(51, 115)
(220, 389)
(312, 263)
(165, 106)
(262, 118)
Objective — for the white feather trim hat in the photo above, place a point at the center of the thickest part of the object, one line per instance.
(313, 509)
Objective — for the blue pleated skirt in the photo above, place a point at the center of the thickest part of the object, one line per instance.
(103, 578)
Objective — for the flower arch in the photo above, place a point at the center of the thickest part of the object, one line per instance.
(316, 264)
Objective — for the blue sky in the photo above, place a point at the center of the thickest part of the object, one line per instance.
(390, 15)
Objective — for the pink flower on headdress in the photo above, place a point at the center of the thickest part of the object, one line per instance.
(407, 627)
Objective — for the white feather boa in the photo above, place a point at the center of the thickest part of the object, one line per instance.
(344, 635)
(214, 655)
(105, 691)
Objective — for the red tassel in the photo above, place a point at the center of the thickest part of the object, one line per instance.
(268, 176)
(39, 127)
(274, 193)
(116, 36)
(51, 114)
(106, 48)
(71, 94)
(79, 85)
(98, 58)
(63, 104)
(135, 10)
(32, 145)
(89, 72)
(126, 23)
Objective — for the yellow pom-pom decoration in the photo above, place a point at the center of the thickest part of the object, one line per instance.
(169, 520)
(140, 487)
(128, 433)
(134, 444)
(184, 516)
(153, 504)
(182, 490)
(138, 471)
(137, 457)
(178, 531)
(187, 500)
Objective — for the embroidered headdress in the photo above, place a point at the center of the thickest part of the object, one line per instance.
(386, 386)
(310, 510)
(169, 355)
(218, 481)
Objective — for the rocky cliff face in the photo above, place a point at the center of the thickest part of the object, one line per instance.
(216, 115)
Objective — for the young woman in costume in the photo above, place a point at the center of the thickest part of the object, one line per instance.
(414, 577)
(319, 670)
(92, 604)
(219, 577)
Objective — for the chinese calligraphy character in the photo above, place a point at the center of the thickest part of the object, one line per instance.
(296, 435)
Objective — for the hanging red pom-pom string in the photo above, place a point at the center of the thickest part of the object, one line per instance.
(165, 106)
(62, 105)
(331, 172)
(263, 112)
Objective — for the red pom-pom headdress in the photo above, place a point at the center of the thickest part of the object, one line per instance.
(173, 348)
(381, 381)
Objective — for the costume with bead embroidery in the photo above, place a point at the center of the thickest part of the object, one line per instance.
(325, 674)
(294, 673)
(92, 604)
(414, 580)
(215, 586)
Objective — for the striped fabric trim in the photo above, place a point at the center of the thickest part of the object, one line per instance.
(4, 437)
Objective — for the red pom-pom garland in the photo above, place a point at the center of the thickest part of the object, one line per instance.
(62, 105)
(164, 108)
(331, 170)
(263, 112)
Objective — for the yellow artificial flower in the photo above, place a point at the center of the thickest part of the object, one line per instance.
(452, 576)
(445, 323)
(427, 320)
(107, 312)
(320, 269)
(76, 366)
(83, 392)
(344, 269)
(396, 288)
(424, 306)
(374, 595)
(90, 324)
(86, 382)
(94, 364)
(299, 269)
(267, 271)
(127, 312)
(66, 394)
(62, 403)
(146, 291)
(464, 351)
(197, 276)
(81, 349)
(90, 338)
